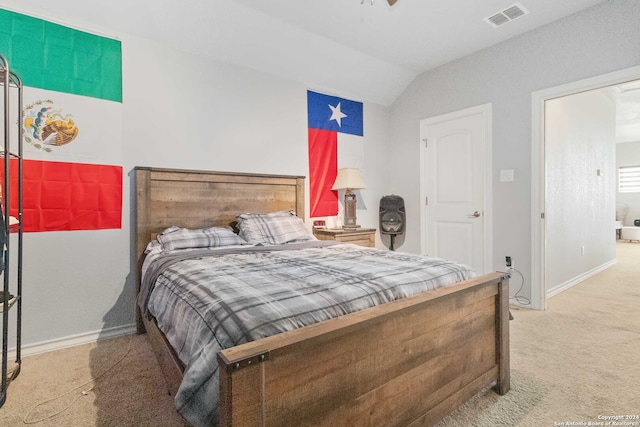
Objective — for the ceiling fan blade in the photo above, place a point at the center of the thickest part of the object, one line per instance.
(392, 2)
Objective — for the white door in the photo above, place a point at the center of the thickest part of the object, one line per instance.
(455, 186)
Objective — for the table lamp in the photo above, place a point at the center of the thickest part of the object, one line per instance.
(349, 179)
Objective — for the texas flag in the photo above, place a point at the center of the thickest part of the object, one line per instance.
(335, 140)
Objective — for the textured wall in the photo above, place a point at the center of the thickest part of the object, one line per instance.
(580, 180)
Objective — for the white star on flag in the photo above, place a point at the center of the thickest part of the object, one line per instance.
(336, 114)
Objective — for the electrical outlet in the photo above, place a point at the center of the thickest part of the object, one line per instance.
(508, 261)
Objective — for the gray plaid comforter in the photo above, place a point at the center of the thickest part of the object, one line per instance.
(206, 301)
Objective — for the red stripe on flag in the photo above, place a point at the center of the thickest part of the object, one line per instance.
(323, 169)
(60, 196)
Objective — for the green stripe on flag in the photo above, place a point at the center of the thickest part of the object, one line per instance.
(54, 57)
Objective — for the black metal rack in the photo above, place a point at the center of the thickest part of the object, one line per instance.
(12, 156)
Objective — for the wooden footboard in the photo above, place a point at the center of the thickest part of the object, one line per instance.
(410, 362)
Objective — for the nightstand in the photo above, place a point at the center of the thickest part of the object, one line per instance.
(361, 236)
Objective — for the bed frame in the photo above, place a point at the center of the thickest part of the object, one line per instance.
(408, 362)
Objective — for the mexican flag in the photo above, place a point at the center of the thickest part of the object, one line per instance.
(72, 123)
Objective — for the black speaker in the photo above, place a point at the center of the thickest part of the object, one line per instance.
(636, 222)
(392, 216)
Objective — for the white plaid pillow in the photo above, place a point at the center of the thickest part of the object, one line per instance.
(184, 238)
(273, 228)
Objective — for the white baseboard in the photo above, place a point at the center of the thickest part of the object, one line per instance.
(578, 279)
(74, 340)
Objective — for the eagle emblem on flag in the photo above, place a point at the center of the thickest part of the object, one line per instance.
(46, 127)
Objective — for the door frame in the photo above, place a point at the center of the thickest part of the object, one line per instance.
(487, 218)
(538, 161)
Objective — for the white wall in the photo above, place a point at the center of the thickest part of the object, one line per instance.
(592, 42)
(210, 115)
(580, 181)
(180, 111)
(628, 154)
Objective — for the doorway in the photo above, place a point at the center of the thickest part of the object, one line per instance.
(455, 186)
(539, 238)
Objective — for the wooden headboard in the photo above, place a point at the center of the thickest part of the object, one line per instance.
(198, 199)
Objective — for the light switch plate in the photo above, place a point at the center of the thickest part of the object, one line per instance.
(506, 175)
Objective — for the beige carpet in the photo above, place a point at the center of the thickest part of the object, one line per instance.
(573, 363)
(128, 392)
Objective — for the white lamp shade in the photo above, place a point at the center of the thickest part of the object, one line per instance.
(348, 178)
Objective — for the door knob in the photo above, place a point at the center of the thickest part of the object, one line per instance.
(476, 214)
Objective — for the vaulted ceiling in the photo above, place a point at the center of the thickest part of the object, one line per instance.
(364, 49)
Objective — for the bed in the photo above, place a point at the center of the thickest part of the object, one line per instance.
(407, 362)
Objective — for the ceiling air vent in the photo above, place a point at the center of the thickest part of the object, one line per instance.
(498, 19)
(507, 15)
